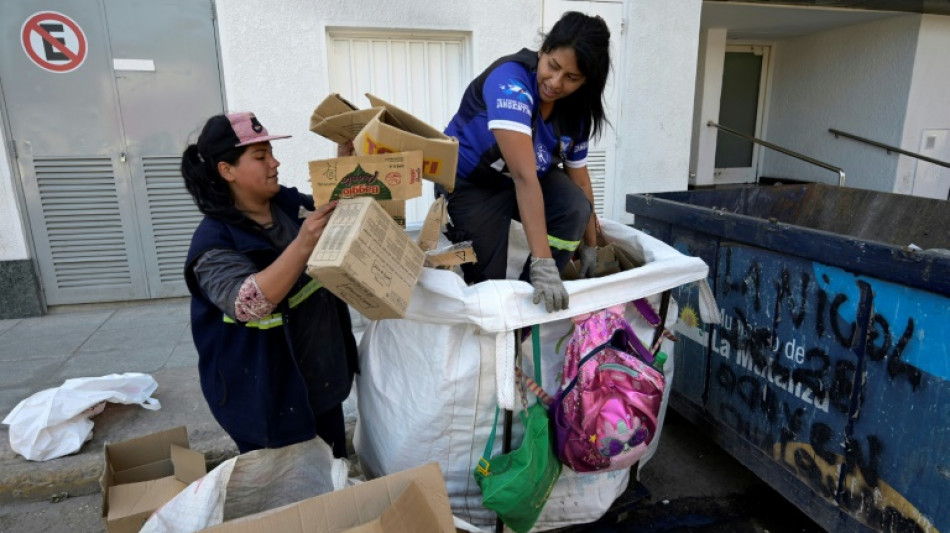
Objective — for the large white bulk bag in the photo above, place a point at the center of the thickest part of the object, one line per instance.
(429, 383)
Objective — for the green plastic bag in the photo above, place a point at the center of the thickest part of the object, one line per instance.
(517, 484)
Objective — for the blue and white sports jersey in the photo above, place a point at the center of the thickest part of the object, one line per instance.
(505, 96)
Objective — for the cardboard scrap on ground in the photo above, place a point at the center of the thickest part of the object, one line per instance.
(410, 501)
(142, 474)
(385, 128)
(367, 259)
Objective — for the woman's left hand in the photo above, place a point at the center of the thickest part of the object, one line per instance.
(312, 228)
(345, 149)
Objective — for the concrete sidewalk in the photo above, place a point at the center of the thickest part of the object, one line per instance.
(153, 337)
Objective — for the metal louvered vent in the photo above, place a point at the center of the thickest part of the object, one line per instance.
(83, 223)
(597, 168)
(173, 215)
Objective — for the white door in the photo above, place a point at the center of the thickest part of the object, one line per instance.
(601, 155)
(423, 72)
(744, 76)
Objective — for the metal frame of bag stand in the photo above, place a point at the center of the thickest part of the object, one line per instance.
(506, 435)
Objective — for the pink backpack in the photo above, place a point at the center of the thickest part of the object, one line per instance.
(605, 414)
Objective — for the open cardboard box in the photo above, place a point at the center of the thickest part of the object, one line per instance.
(411, 501)
(366, 259)
(142, 474)
(385, 128)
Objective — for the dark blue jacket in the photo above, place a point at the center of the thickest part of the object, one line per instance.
(259, 388)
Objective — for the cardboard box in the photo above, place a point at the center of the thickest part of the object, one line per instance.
(142, 474)
(367, 259)
(398, 131)
(331, 106)
(396, 210)
(611, 259)
(385, 128)
(385, 177)
(412, 501)
(428, 240)
(344, 127)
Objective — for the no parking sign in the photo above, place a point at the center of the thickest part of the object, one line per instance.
(53, 41)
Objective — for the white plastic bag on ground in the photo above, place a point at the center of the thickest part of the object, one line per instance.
(55, 422)
(429, 383)
(250, 483)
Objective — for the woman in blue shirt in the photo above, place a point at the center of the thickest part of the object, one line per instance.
(521, 120)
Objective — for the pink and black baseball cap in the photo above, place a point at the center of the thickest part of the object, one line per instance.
(242, 129)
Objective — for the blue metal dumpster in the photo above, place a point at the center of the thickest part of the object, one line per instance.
(829, 374)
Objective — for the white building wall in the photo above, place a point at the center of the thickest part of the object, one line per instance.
(274, 62)
(12, 240)
(928, 113)
(711, 59)
(854, 79)
(274, 59)
(657, 85)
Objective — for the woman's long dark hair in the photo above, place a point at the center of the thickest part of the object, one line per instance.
(589, 37)
(199, 168)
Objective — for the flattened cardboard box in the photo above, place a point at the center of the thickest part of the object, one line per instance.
(142, 474)
(411, 501)
(385, 177)
(367, 259)
(388, 129)
(428, 240)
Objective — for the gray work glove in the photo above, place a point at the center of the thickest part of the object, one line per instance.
(588, 260)
(547, 284)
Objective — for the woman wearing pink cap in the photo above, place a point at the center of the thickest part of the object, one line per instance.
(276, 352)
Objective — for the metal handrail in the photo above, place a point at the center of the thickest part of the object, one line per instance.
(888, 148)
(785, 151)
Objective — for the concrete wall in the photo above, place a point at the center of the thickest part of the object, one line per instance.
(256, 46)
(928, 112)
(12, 239)
(711, 58)
(657, 84)
(855, 79)
(19, 286)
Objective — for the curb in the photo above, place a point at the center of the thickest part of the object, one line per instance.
(78, 474)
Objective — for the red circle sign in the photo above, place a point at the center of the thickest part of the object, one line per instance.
(53, 41)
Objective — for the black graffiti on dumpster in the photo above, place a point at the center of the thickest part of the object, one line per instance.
(759, 347)
(819, 463)
(767, 404)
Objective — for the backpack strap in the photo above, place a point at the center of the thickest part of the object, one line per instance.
(646, 311)
(570, 386)
(484, 465)
(534, 385)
